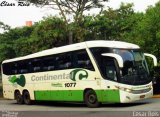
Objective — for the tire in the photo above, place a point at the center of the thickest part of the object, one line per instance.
(19, 98)
(90, 99)
(26, 98)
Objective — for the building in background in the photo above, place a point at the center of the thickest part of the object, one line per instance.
(29, 23)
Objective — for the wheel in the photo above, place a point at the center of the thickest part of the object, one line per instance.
(90, 99)
(26, 98)
(18, 98)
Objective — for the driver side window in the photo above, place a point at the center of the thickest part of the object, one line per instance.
(109, 69)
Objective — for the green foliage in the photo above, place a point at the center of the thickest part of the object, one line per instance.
(48, 33)
(4, 26)
(151, 30)
(110, 24)
(157, 71)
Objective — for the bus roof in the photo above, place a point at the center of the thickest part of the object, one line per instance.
(77, 46)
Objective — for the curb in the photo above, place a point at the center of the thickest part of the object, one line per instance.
(156, 96)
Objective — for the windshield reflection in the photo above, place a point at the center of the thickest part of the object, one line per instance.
(135, 70)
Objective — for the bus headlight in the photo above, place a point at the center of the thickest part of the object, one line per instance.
(124, 89)
(135, 91)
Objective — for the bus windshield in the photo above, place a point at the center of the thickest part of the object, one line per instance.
(135, 70)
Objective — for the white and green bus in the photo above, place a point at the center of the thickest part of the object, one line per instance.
(93, 72)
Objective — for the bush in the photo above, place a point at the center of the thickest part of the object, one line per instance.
(156, 82)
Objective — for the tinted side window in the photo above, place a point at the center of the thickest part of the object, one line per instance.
(7, 68)
(82, 60)
(64, 61)
(36, 65)
(49, 63)
(108, 68)
(68, 60)
(106, 65)
(22, 67)
(13, 68)
(97, 53)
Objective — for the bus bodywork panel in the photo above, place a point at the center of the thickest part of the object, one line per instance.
(47, 84)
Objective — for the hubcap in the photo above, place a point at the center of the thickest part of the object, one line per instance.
(92, 98)
(18, 98)
(26, 98)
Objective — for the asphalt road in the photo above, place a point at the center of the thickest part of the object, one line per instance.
(145, 108)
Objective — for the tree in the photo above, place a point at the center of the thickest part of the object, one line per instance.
(4, 26)
(74, 8)
(148, 30)
(111, 24)
(7, 52)
(13, 43)
(48, 33)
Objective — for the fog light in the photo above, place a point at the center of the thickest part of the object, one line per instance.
(128, 97)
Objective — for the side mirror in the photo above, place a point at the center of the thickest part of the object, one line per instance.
(116, 56)
(153, 57)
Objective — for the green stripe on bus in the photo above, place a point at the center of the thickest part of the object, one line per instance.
(108, 95)
(76, 95)
(61, 95)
